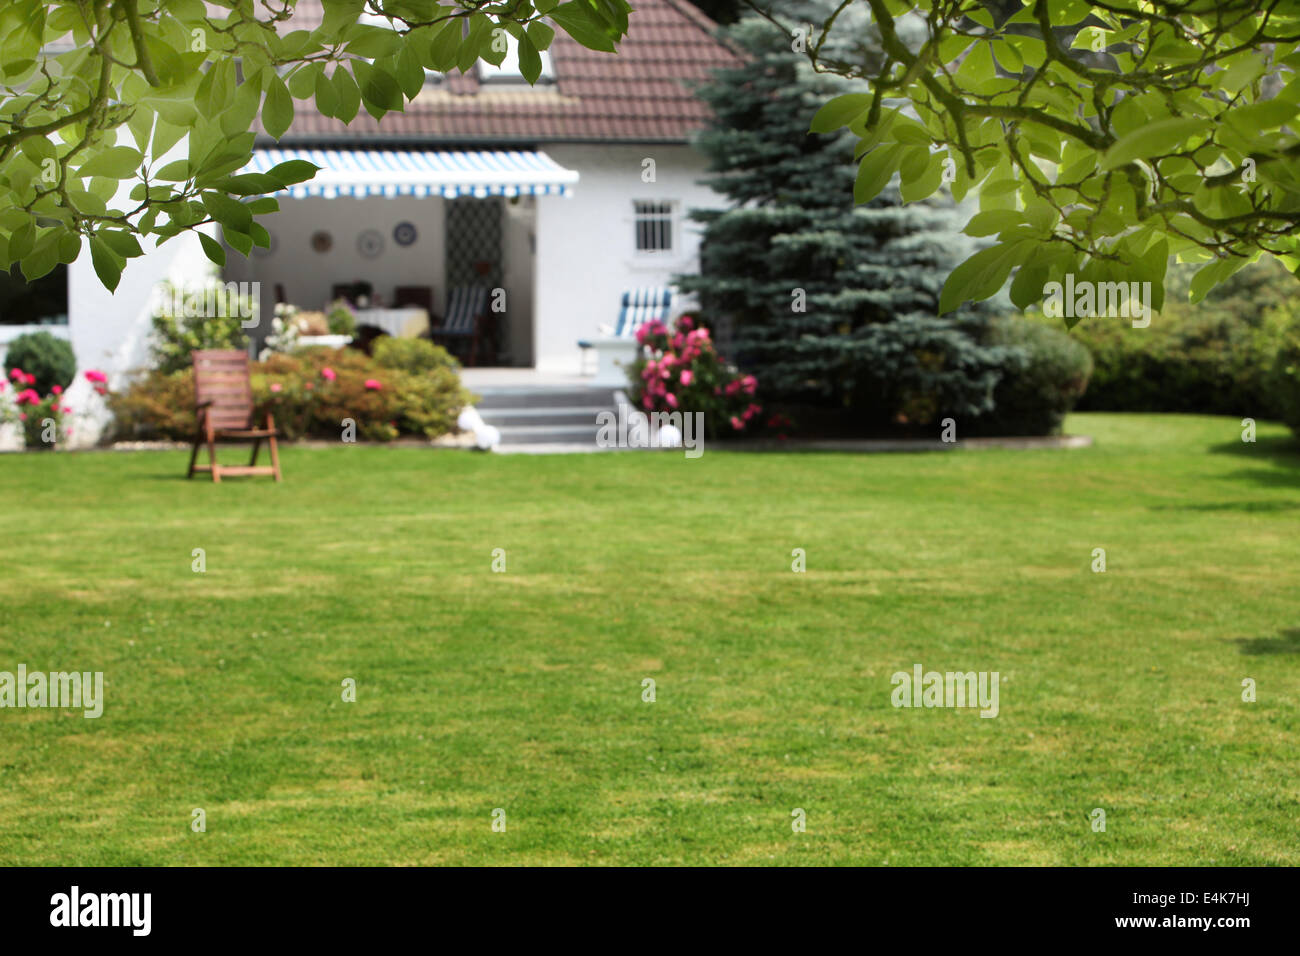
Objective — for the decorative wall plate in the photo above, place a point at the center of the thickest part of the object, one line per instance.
(404, 234)
(370, 243)
(322, 241)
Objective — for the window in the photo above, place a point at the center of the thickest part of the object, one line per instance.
(42, 302)
(654, 226)
(508, 71)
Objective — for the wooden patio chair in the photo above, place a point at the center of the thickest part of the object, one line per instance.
(224, 407)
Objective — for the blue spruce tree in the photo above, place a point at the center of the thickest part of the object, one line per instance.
(831, 305)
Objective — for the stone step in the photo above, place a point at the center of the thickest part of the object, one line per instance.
(507, 397)
(557, 415)
(549, 434)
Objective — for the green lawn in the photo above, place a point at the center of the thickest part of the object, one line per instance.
(522, 690)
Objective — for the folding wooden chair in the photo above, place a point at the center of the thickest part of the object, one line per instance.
(466, 315)
(224, 396)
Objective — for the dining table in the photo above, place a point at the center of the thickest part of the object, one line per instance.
(399, 323)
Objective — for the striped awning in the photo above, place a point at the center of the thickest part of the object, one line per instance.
(392, 173)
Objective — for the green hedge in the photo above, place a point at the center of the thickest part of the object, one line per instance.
(1043, 378)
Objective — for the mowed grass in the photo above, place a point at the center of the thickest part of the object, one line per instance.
(523, 690)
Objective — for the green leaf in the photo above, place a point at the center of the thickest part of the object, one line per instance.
(992, 222)
(327, 98)
(379, 91)
(348, 92)
(277, 111)
(231, 213)
(293, 171)
(530, 61)
(445, 45)
(116, 162)
(540, 34)
(1152, 139)
(984, 273)
(108, 264)
(579, 21)
(372, 42)
(121, 242)
(875, 171)
(840, 112)
(212, 249)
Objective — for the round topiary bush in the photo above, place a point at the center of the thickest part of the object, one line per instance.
(43, 355)
(1048, 374)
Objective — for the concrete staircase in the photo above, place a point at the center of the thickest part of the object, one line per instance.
(544, 418)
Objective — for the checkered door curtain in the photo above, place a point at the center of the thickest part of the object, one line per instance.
(474, 256)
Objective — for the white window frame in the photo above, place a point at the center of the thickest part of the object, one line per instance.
(673, 218)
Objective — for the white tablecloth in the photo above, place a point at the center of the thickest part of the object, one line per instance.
(393, 321)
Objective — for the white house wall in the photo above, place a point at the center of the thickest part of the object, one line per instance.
(110, 331)
(586, 254)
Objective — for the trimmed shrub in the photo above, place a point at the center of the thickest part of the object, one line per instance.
(1284, 378)
(310, 393)
(1211, 358)
(48, 359)
(414, 356)
(186, 320)
(1045, 375)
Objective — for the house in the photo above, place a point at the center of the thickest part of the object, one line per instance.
(557, 197)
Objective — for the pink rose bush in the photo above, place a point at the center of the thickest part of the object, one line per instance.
(680, 370)
(43, 418)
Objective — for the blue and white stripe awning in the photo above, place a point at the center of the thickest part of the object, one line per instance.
(392, 173)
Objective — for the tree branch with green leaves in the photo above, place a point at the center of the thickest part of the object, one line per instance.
(1100, 139)
(98, 97)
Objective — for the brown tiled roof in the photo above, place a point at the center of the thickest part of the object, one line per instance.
(638, 95)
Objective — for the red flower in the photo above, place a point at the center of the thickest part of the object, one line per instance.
(374, 384)
(57, 389)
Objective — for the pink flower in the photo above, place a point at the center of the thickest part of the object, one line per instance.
(647, 402)
(31, 379)
(687, 376)
(3, 383)
(685, 323)
(94, 375)
(671, 399)
(17, 373)
(328, 374)
(276, 386)
(23, 416)
(750, 384)
(373, 384)
(57, 389)
(54, 407)
(736, 423)
(27, 395)
(67, 410)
